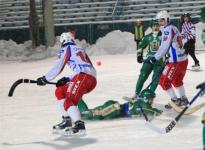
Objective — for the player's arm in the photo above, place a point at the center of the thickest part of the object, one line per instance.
(193, 29)
(142, 45)
(59, 65)
(167, 37)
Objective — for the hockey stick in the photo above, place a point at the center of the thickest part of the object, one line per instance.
(189, 111)
(174, 122)
(15, 84)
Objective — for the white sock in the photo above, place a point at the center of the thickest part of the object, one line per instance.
(181, 91)
(61, 106)
(171, 93)
(74, 113)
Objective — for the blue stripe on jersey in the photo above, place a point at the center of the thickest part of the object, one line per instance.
(85, 65)
(174, 55)
(69, 52)
(181, 55)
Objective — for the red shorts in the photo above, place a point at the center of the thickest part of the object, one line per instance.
(73, 91)
(173, 74)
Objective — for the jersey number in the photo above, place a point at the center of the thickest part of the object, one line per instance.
(82, 57)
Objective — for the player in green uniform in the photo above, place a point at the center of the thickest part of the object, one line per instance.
(152, 42)
(113, 109)
(203, 134)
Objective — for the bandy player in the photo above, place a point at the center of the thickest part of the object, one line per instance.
(71, 89)
(175, 69)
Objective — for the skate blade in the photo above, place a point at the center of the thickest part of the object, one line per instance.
(80, 133)
(59, 131)
(196, 68)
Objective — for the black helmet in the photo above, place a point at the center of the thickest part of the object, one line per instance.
(186, 15)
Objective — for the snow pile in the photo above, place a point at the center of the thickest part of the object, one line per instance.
(115, 42)
(9, 50)
(199, 29)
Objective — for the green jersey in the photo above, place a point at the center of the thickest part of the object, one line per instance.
(113, 109)
(151, 41)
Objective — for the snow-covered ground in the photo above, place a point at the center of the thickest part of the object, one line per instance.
(26, 118)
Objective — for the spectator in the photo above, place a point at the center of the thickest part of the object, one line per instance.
(139, 31)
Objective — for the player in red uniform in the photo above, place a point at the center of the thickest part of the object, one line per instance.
(82, 81)
(175, 69)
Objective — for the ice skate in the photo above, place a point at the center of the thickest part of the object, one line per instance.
(168, 106)
(182, 102)
(66, 122)
(195, 67)
(131, 99)
(77, 129)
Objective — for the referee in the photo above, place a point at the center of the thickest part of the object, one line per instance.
(189, 37)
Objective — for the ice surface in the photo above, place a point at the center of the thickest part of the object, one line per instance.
(26, 118)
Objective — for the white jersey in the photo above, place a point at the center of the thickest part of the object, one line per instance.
(77, 60)
(171, 43)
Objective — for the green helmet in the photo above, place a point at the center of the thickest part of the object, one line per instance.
(148, 94)
(153, 22)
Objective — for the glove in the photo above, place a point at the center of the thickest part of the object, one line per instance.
(42, 81)
(139, 59)
(62, 81)
(151, 60)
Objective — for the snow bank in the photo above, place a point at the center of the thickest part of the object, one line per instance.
(199, 29)
(115, 42)
(9, 50)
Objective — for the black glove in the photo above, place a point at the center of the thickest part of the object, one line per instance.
(42, 81)
(151, 60)
(139, 59)
(62, 81)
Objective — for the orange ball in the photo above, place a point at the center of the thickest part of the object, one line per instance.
(98, 63)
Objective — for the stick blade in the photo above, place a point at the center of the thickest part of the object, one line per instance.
(155, 128)
(11, 91)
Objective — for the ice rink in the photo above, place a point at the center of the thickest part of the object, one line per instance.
(26, 119)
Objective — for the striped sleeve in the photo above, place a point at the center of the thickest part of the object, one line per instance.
(188, 30)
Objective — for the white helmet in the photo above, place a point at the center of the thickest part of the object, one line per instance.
(163, 15)
(66, 37)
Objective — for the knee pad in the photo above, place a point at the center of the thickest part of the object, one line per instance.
(60, 93)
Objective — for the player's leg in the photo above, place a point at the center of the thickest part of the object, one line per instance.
(79, 85)
(82, 106)
(166, 80)
(178, 82)
(189, 47)
(192, 53)
(60, 95)
(144, 74)
(157, 70)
